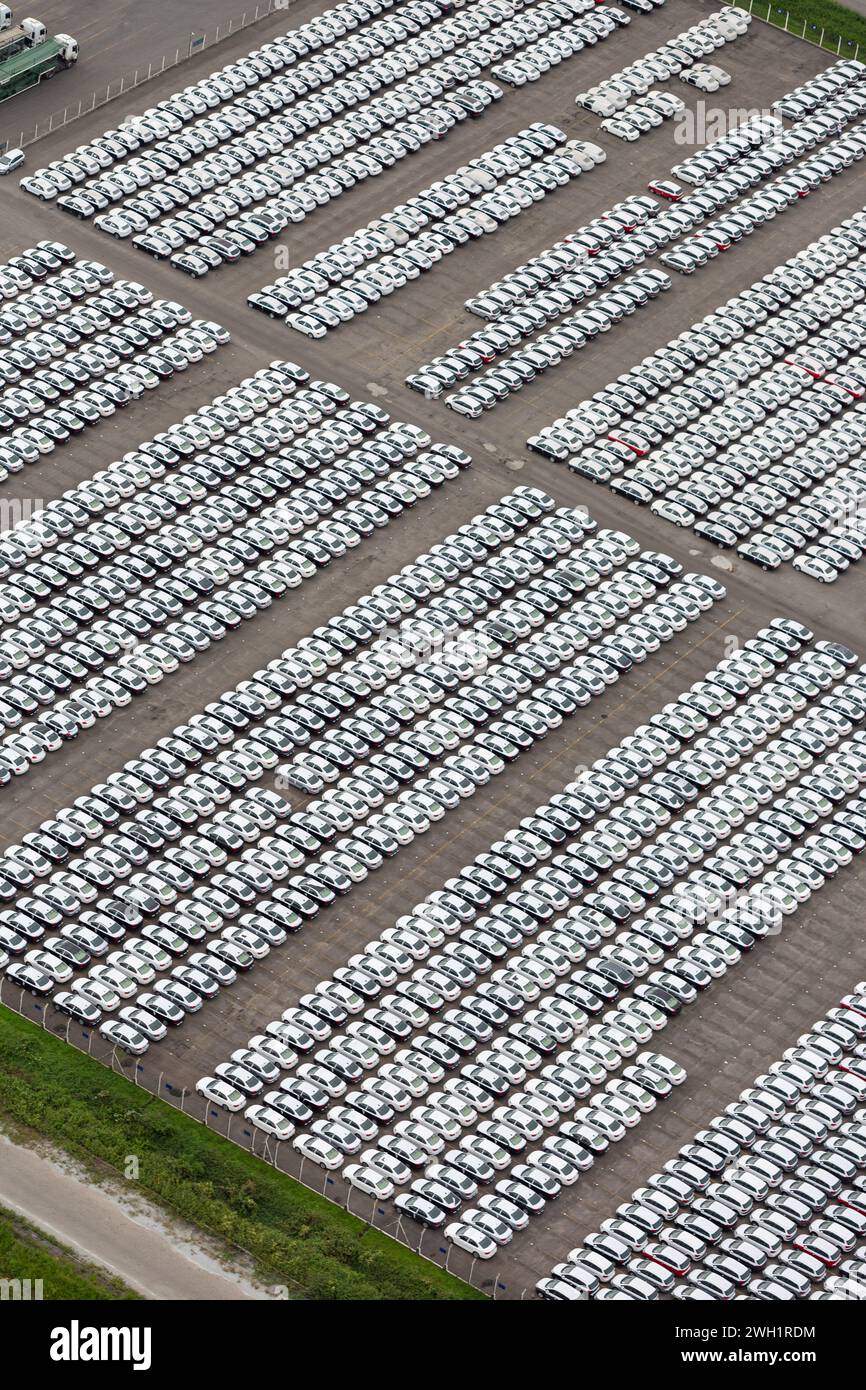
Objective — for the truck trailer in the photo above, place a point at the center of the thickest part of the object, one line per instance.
(28, 34)
(29, 64)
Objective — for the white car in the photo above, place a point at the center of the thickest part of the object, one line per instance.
(488, 1224)
(304, 323)
(622, 128)
(471, 1239)
(98, 993)
(632, 1094)
(367, 1179)
(220, 1092)
(12, 159)
(124, 1035)
(317, 1150)
(29, 976)
(116, 979)
(50, 964)
(269, 1121)
(657, 1061)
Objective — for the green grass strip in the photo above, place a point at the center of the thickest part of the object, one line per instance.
(836, 28)
(55, 1273)
(299, 1240)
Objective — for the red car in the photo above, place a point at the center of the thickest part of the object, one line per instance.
(665, 188)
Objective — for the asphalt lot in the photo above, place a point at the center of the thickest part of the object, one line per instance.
(754, 1013)
(116, 39)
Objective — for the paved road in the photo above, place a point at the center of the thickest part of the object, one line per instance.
(131, 1241)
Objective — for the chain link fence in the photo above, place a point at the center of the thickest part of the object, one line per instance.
(776, 15)
(122, 86)
(814, 33)
(281, 1155)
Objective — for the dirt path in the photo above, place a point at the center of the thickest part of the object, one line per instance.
(126, 1233)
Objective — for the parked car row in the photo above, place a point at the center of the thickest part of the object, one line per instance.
(433, 230)
(264, 864)
(638, 1089)
(643, 115)
(819, 527)
(222, 226)
(824, 534)
(564, 257)
(470, 621)
(549, 349)
(610, 96)
(666, 377)
(762, 207)
(76, 345)
(135, 571)
(533, 296)
(597, 22)
(173, 222)
(389, 1083)
(274, 75)
(746, 163)
(705, 77)
(803, 402)
(813, 94)
(614, 243)
(768, 1201)
(297, 287)
(591, 252)
(718, 155)
(349, 632)
(391, 234)
(751, 412)
(764, 144)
